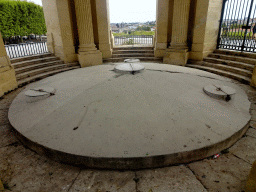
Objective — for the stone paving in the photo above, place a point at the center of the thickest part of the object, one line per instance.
(23, 170)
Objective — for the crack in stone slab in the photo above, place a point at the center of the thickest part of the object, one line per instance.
(241, 159)
(74, 180)
(186, 74)
(196, 177)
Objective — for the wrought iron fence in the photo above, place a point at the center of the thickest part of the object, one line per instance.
(237, 29)
(25, 49)
(133, 39)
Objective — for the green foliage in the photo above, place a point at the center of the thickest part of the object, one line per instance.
(143, 28)
(236, 26)
(19, 18)
(135, 33)
(236, 35)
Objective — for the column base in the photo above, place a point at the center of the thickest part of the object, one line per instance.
(106, 50)
(176, 56)
(90, 58)
(160, 49)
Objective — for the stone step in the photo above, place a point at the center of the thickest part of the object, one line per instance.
(39, 71)
(44, 75)
(26, 58)
(132, 48)
(235, 53)
(133, 55)
(239, 71)
(132, 51)
(34, 62)
(237, 77)
(230, 63)
(37, 66)
(153, 59)
(246, 60)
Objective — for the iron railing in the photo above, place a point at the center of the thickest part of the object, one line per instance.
(133, 39)
(237, 29)
(25, 49)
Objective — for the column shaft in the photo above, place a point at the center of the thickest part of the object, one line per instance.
(84, 25)
(180, 23)
(88, 54)
(177, 54)
(102, 8)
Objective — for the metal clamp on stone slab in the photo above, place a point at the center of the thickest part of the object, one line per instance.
(220, 92)
(131, 60)
(39, 93)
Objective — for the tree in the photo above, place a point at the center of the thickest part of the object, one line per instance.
(143, 28)
(19, 18)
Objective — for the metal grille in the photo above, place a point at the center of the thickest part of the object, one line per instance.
(25, 49)
(238, 26)
(133, 39)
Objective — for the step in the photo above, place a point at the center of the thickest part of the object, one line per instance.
(34, 61)
(236, 53)
(73, 64)
(44, 75)
(230, 63)
(132, 48)
(226, 68)
(240, 78)
(155, 59)
(39, 71)
(20, 59)
(233, 58)
(132, 51)
(133, 55)
(37, 66)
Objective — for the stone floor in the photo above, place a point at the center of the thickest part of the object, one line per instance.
(23, 170)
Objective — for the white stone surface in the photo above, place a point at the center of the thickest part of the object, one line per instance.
(163, 110)
(220, 91)
(131, 67)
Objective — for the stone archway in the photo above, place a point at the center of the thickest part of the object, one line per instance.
(186, 29)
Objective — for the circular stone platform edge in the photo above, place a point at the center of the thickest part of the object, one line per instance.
(133, 163)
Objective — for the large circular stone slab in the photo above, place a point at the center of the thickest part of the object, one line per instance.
(151, 119)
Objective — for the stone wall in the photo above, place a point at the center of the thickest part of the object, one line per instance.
(7, 74)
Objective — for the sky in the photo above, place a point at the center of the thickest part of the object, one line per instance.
(132, 10)
(128, 10)
(38, 2)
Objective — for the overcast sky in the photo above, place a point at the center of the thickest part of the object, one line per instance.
(132, 10)
(128, 10)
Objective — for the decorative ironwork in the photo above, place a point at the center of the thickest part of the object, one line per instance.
(133, 39)
(25, 49)
(237, 29)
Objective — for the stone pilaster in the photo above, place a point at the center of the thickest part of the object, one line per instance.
(7, 74)
(88, 54)
(206, 28)
(102, 8)
(177, 53)
(161, 27)
(58, 21)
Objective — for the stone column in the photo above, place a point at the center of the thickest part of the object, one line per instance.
(162, 11)
(177, 53)
(88, 54)
(7, 74)
(102, 9)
